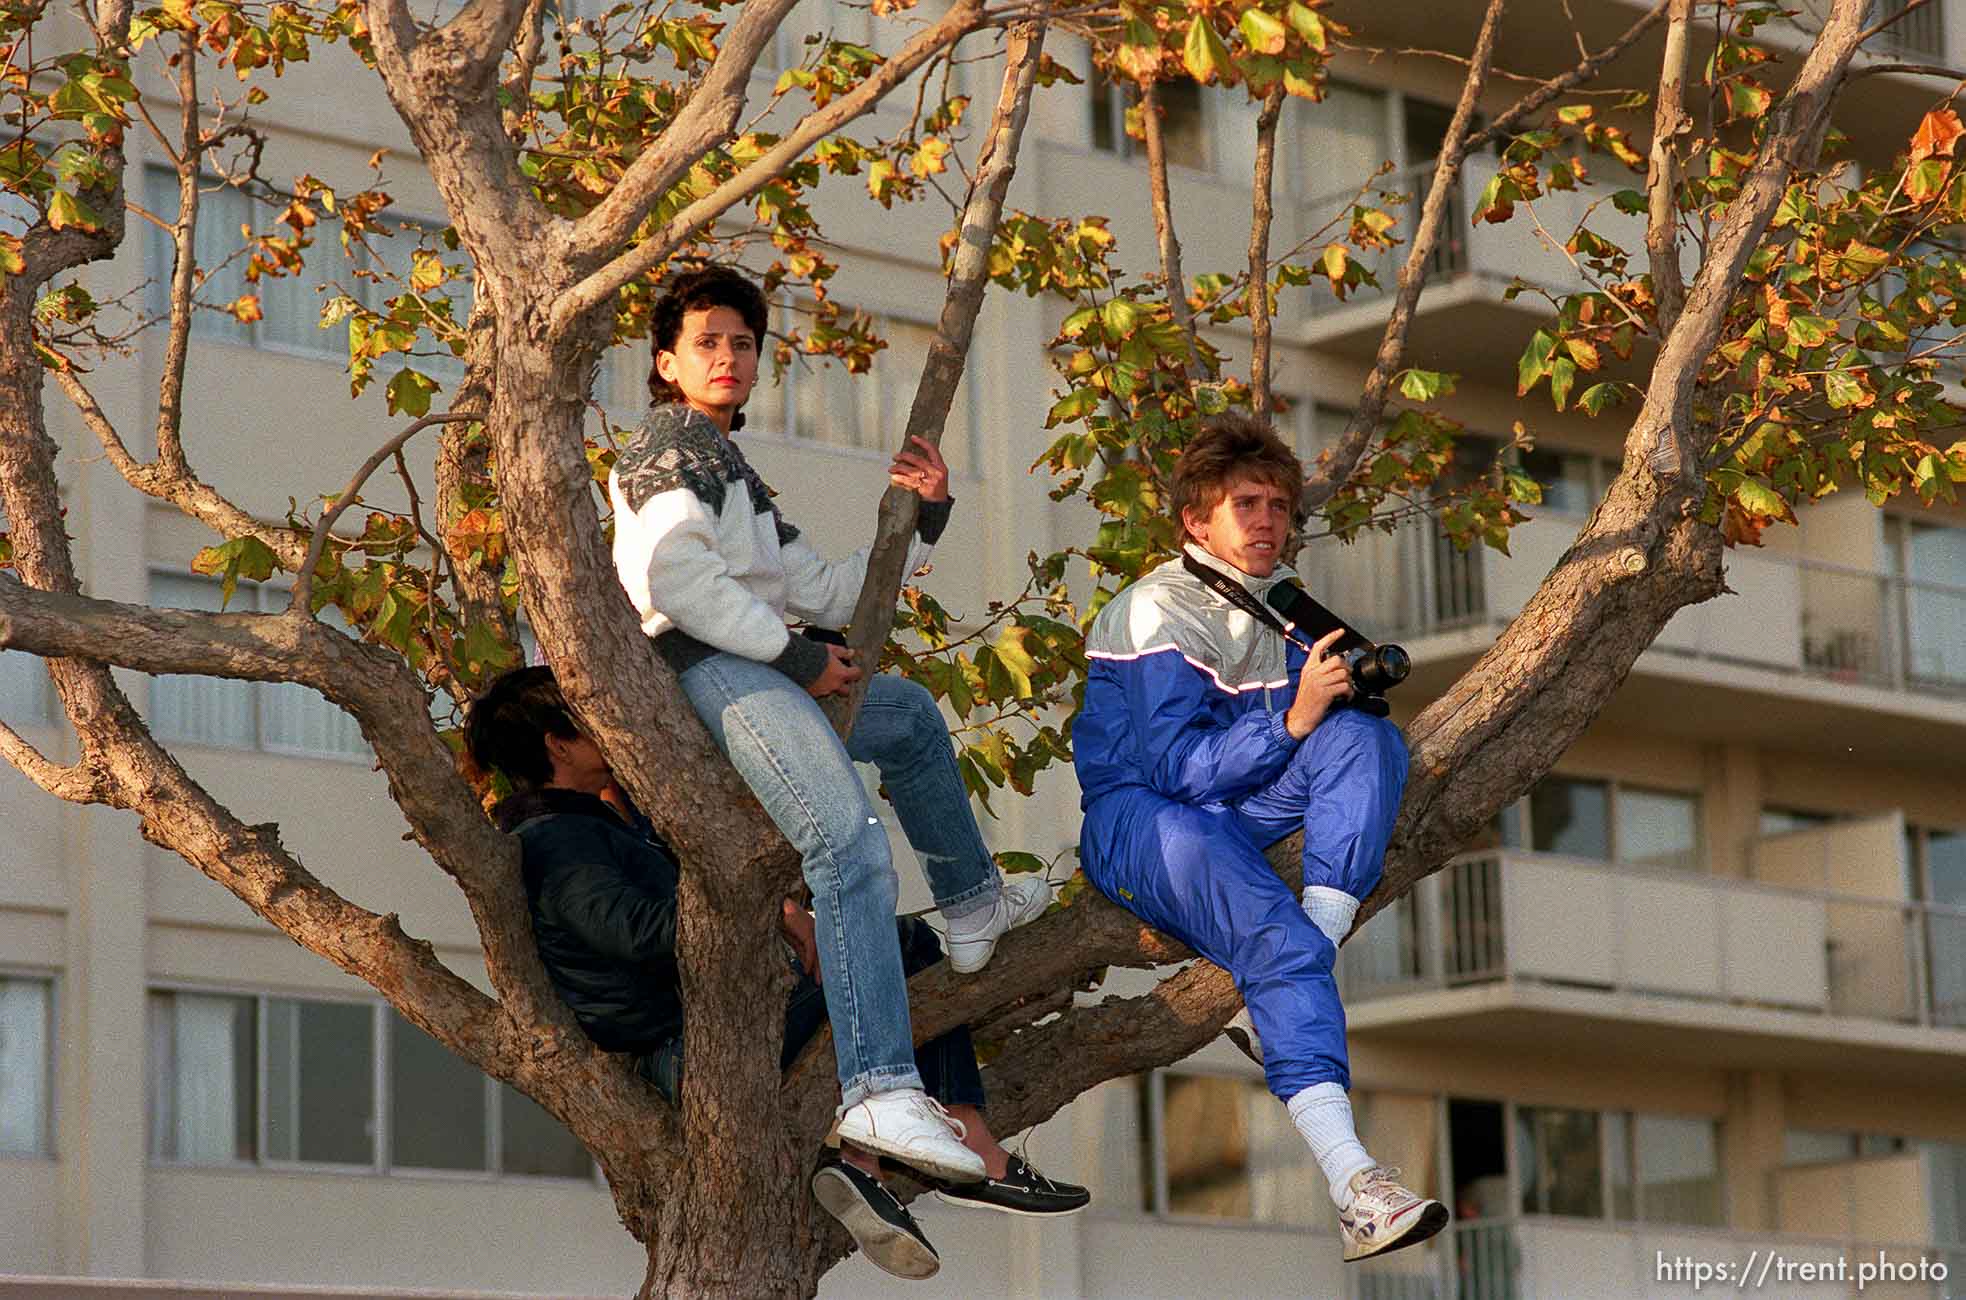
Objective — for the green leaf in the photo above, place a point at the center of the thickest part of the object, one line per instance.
(1535, 361)
(1599, 398)
(1308, 25)
(1757, 498)
(409, 393)
(1120, 317)
(1013, 863)
(1204, 54)
(1425, 385)
(242, 557)
(1842, 389)
(64, 210)
(1563, 373)
(1810, 331)
(1263, 31)
(1075, 405)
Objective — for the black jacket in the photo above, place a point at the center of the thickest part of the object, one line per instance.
(603, 896)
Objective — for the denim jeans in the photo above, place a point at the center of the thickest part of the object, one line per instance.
(947, 1063)
(779, 740)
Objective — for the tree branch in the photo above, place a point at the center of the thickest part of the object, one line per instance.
(525, 61)
(189, 494)
(1336, 465)
(962, 18)
(969, 276)
(79, 783)
(1259, 250)
(1163, 206)
(304, 578)
(705, 122)
(1662, 176)
(1548, 91)
(184, 264)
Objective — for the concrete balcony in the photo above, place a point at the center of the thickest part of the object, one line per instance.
(1532, 1258)
(1797, 651)
(1512, 947)
(1464, 322)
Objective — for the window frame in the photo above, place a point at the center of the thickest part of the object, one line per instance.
(1152, 1094)
(381, 1117)
(48, 1148)
(1514, 821)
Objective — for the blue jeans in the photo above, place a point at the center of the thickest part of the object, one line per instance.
(781, 743)
(947, 1064)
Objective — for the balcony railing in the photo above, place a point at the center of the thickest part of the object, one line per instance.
(1580, 924)
(1528, 246)
(1560, 1259)
(1922, 31)
(1784, 613)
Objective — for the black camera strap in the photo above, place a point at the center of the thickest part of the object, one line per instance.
(1238, 595)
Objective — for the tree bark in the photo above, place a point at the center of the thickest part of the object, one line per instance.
(1259, 252)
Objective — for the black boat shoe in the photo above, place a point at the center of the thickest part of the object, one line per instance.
(880, 1225)
(1021, 1190)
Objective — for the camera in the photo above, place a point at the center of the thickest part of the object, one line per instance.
(1374, 669)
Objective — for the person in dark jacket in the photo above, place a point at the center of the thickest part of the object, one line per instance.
(601, 885)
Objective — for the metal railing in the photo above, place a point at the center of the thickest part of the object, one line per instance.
(1451, 255)
(1922, 31)
(1791, 614)
(1902, 961)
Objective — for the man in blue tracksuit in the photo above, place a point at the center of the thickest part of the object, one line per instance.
(1205, 738)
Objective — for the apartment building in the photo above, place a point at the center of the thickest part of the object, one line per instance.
(1698, 1001)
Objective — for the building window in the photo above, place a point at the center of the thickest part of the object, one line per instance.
(1184, 129)
(26, 1066)
(826, 404)
(1338, 143)
(203, 1078)
(278, 717)
(1222, 1147)
(1583, 818)
(1931, 559)
(290, 305)
(1937, 859)
(1560, 1161)
(277, 1081)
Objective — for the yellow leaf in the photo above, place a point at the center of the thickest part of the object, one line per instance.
(1936, 135)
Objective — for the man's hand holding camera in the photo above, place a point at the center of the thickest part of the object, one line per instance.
(1324, 681)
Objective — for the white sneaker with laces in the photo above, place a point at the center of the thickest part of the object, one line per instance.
(973, 940)
(1386, 1216)
(908, 1125)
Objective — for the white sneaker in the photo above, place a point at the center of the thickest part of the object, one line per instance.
(1242, 1032)
(908, 1125)
(1385, 1216)
(1023, 898)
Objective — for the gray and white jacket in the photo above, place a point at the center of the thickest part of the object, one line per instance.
(709, 561)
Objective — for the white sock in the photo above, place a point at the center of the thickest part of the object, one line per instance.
(1323, 1116)
(1330, 910)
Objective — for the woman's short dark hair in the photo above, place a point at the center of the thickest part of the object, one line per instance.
(1230, 447)
(713, 286)
(505, 729)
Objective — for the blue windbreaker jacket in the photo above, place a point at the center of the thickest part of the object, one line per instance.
(1184, 699)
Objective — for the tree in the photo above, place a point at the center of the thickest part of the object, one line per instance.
(1800, 357)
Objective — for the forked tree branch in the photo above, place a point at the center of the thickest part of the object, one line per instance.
(573, 305)
(708, 120)
(191, 495)
(304, 578)
(969, 276)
